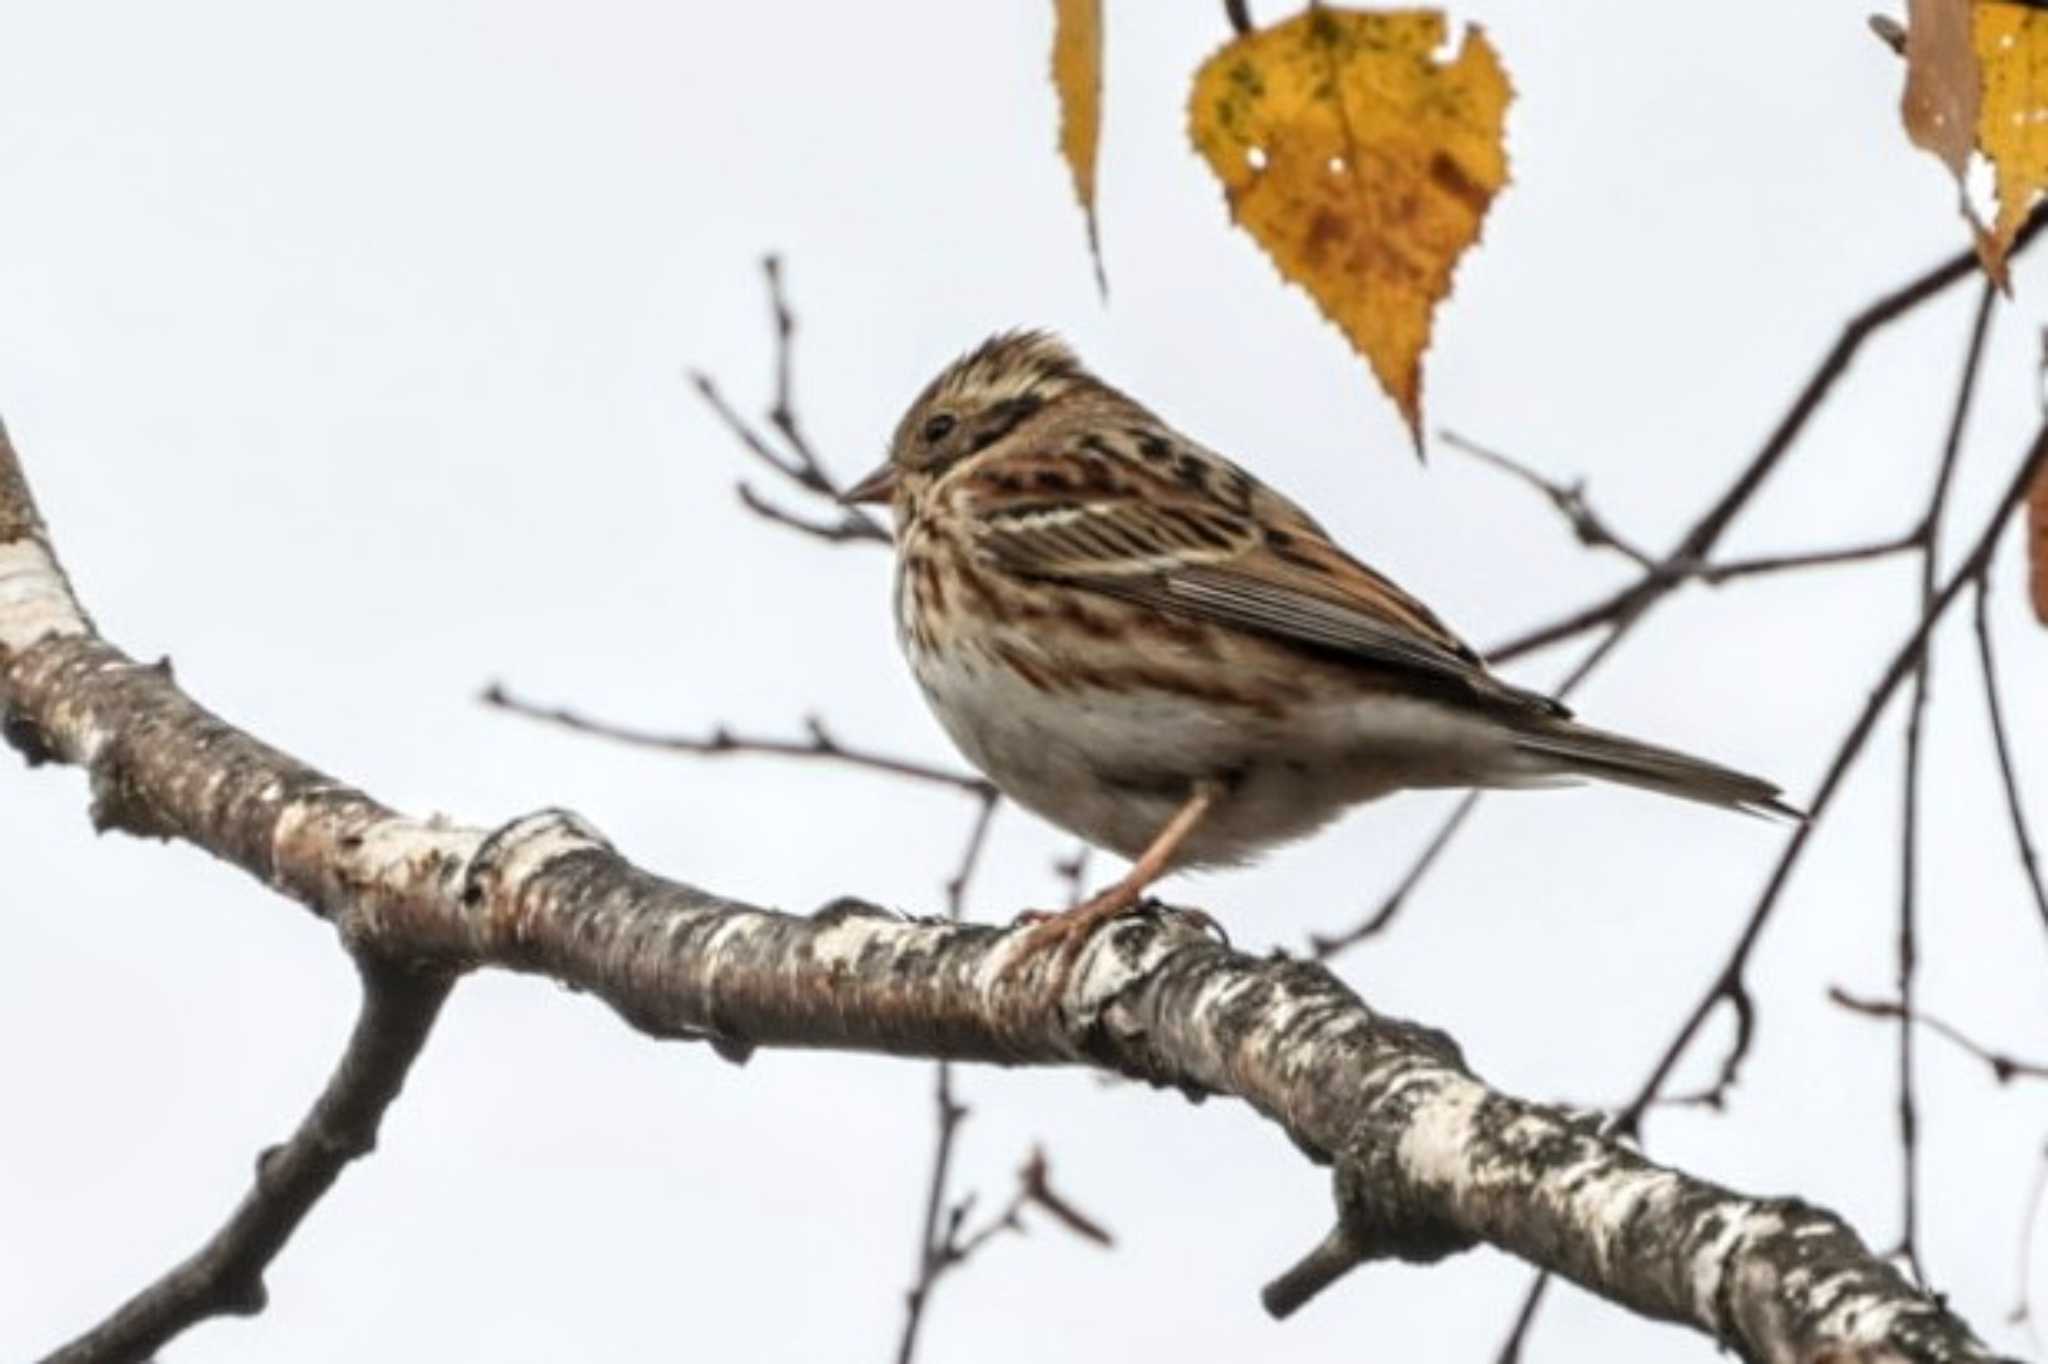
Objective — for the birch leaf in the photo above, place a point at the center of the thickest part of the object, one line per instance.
(2012, 124)
(1077, 76)
(1944, 86)
(1361, 165)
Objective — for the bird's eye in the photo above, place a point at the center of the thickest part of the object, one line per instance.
(939, 426)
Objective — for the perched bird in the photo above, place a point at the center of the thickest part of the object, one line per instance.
(1138, 640)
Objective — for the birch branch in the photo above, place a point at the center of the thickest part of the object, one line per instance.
(1427, 1159)
(224, 1277)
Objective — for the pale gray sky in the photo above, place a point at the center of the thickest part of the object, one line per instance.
(346, 354)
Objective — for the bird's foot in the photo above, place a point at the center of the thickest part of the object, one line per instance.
(1065, 934)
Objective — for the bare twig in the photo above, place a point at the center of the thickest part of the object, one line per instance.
(970, 855)
(2001, 745)
(1733, 569)
(1586, 524)
(1240, 17)
(850, 525)
(225, 1276)
(932, 1240)
(950, 1113)
(2005, 1067)
(1728, 982)
(1593, 531)
(955, 1245)
(819, 743)
(1697, 544)
(799, 462)
(1038, 1191)
(2022, 1311)
(1511, 1348)
(782, 413)
(1927, 543)
(1325, 946)
(1622, 610)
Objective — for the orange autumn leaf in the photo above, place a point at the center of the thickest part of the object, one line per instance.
(2011, 42)
(1361, 165)
(1077, 76)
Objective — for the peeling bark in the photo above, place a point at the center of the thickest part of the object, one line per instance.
(1428, 1160)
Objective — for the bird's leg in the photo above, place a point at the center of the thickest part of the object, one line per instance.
(1069, 930)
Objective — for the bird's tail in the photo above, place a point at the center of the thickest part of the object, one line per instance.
(1567, 748)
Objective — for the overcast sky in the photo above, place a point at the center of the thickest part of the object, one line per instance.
(346, 351)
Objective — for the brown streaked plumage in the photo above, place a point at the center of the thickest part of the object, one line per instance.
(1140, 641)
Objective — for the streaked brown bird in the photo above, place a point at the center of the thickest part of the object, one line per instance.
(1138, 640)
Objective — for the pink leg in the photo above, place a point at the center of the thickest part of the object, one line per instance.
(1069, 930)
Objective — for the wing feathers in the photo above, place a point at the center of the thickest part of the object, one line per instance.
(1169, 543)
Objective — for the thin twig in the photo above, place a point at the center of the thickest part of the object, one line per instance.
(1716, 574)
(851, 525)
(1240, 17)
(1595, 532)
(949, 1111)
(1323, 947)
(1697, 544)
(782, 414)
(1511, 1348)
(800, 464)
(722, 741)
(752, 440)
(932, 1242)
(955, 1246)
(1624, 608)
(1728, 981)
(2001, 744)
(1586, 524)
(2005, 1067)
(225, 1276)
(1927, 542)
(970, 855)
(2022, 1312)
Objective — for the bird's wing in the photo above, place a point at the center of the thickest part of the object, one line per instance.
(1205, 540)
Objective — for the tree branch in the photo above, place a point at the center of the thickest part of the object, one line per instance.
(1727, 984)
(2016, 810)
(798, 462)
(1620, 611)
(2005, 1067)
(1590, 528)
(1697, 544)
(949, 1113)
(1428, 1160)
(225, 1276)
(1926, 541)
(819, 743)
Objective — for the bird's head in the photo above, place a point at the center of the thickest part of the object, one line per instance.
(986, 395)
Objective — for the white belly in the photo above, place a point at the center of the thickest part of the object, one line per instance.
(1114, 767)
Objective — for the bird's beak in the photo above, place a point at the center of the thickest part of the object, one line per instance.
(878, 486)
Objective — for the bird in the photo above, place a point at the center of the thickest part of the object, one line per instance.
(1138, 640)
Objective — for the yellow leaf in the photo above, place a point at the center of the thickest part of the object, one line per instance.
(1362, 166)
(1077, 76)
(2012, 125)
